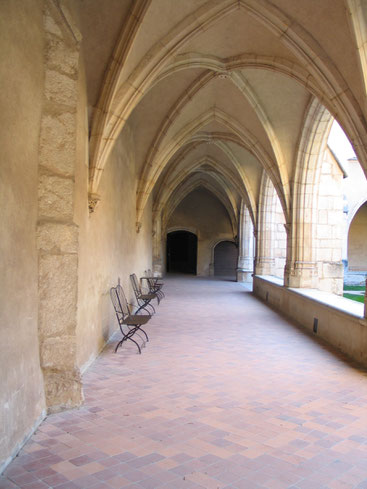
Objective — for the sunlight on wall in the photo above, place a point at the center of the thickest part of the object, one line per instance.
(339, 143)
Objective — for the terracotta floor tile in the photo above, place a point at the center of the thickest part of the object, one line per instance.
(227, 394)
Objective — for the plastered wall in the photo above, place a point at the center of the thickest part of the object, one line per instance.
(203, 214)
(109, 247)
(21, 73)
(107, 242)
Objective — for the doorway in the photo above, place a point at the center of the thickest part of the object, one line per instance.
(182, 252)
(225, 259)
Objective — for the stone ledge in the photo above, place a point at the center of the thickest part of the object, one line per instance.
(338, 321)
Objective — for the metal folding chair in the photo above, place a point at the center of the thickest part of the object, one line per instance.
(154, 286)
(143, 300)
(133, 322)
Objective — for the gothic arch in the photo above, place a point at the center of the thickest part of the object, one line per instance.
(190, 133)
(301, 270)
(327, 77)
(187, 187)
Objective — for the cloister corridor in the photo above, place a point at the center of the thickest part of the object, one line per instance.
(227, 394)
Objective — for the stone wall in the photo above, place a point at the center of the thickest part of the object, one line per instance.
(22, 402)
(202, 213)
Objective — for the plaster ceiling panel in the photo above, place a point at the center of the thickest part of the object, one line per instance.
(183, 160)
(250, 165)
(327, 21)
(201, 208)
(223, 95)
(235, 34)
(160, 18)
(100, 23)
(148, 116)
(285, 102)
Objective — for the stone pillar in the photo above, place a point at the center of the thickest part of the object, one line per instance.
(57, 233)
(264, 258)
(300, 270)
(158, 263)
(245, 246)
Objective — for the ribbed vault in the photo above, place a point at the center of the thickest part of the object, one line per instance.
(255, 59)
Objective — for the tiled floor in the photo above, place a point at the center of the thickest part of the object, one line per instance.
(227, 394)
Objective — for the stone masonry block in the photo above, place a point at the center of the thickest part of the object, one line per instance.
(63, 389)
(332, 270)
(55, 197)
(60, 88)
(58, 143)
(325, 254)
(57, 237)
(62, 57)
(323, 217)
(58, 279)
(59, 353)
(323, 231)
(50, 25)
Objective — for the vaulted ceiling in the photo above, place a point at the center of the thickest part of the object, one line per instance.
(217, 92)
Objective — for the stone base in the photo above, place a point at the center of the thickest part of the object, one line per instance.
(244, 275)
(301, 275)
(157, 270)
(63, 390)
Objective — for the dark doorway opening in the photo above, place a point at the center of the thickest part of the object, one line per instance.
(181, 252)
(225, 259)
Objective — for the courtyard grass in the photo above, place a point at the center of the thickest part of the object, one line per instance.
(354, 297)
(354, 288)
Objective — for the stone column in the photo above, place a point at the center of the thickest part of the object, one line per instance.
(264, 258)
(158, 263)
(57, 233)
(300, 270)
(245, 246)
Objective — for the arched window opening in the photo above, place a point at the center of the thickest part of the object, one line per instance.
(354, 224)
(181, 252)
(225, 259)
(357, 249)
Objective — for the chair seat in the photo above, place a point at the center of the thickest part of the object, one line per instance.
(136, 320)
(148, 297)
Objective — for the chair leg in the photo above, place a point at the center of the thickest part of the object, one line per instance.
(143, 306)
(128, 336)
(146, 336)
(151, 305)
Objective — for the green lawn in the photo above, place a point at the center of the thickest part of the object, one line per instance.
(356, 288)
(354, 297)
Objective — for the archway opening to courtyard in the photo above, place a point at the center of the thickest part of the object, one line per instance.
(225, 259)
(357, 239)
(182, 252)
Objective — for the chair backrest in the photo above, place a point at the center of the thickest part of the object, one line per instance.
(136, 286)
(119, 302)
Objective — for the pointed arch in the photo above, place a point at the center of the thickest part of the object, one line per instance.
(301, 267)
(191, 184)
(330, 82)
(167, 187)
(190, 133)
